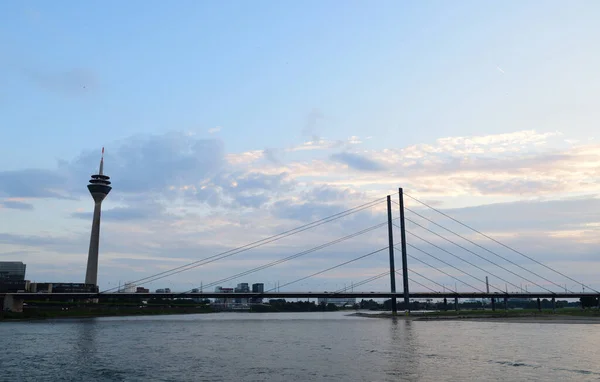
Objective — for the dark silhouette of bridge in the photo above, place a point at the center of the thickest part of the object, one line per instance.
(445, 242)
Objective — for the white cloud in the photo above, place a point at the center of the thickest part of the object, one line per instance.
(214, 130)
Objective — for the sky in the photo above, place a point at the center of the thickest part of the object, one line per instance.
(226, 123)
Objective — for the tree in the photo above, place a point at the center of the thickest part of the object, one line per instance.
(588, 302)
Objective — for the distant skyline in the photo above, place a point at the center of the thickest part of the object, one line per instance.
(227, 123)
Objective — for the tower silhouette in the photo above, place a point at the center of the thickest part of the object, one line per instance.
(99, 187)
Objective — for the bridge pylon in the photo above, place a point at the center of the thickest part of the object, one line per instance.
(391, 248)
(404, 255)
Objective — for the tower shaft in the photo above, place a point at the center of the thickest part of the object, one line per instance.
(91, 274)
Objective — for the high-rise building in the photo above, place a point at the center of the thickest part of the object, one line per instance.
(128, 287)
(242, 288)
(99, 187)
(12, 270)
(257, 288)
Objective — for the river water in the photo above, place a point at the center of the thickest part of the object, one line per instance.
(329, 346)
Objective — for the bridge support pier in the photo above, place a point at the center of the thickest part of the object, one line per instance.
(493, 304)
(553, 305)
(539, 304)
(445, 304)
(505, 303)
(456, 303)
(12, 303)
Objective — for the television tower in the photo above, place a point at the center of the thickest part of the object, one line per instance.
(99, 187)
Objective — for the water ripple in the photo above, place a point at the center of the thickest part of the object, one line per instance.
(292, 347)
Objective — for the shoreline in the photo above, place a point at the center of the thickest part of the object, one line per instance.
(139, 313)
(76, 316)
(500, 318)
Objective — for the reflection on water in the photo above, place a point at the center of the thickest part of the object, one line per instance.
(85, 340)
(294, 347)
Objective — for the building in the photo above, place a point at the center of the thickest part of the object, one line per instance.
(128, 287)
(62, 288)
(223, 300)
(142, 290)
(99, 188)
(337, 301)
(13, 286)
(258, 288)
(12, 270)
(74, 288)
(242, 288)
(40, 287)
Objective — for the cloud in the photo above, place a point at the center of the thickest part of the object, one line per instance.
(32, 183)
(17, 205)
(153, 163)
(307, 211)
(532, 215)
(214, 130)
(271, 155)
(144, 212)
(514, 186)
(357, 162)
(326, 193)
(180, 197)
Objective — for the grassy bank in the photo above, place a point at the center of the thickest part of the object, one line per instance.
(560, 314)
(514, 313)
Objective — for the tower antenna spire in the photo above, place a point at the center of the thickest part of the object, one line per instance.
(101, 172)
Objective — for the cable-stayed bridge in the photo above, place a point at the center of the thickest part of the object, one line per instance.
(432, 241)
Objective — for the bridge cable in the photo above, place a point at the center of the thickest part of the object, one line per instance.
(418, 283)
(452, 266)
(362, 282)
(500, 243)
(430, 280)
(291, 257)
(441, 271)
(255, 244)
(329, 269)
(481, 257)
(466, 261)
(442, 261)
(486, 249)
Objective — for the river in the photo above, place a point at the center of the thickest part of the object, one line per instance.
(329, 346)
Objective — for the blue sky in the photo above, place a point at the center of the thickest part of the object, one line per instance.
(467, 104)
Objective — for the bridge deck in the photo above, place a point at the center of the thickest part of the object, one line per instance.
(272, 295)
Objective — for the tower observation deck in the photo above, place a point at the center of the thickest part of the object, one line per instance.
(99, 187)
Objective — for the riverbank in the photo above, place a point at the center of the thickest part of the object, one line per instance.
(563, 317)
(76, 313)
